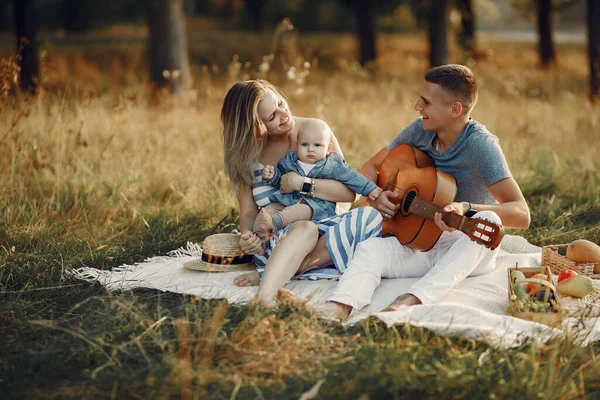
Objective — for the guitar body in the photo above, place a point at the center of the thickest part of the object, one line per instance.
(410, 172)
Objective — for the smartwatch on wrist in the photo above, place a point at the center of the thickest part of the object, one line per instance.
(306, 186)
(471, 211)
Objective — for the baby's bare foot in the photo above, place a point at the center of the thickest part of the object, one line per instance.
(248, 279)
(263, 228)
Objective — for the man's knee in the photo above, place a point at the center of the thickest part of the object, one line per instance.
(489, 216)
(370, 247)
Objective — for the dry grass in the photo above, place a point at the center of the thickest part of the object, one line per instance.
(125, 159)
(91, 174)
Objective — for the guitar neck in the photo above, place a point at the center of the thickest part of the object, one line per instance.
(427, 209)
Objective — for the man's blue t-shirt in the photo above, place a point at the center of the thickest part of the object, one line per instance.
(475, 159)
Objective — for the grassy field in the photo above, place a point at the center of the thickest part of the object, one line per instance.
(91, 175)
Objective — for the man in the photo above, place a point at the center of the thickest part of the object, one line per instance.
(486, 189)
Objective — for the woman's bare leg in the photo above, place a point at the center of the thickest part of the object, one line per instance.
(318, 258)
(286, 259)
(264, 224)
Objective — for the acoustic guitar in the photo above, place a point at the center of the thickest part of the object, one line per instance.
(423, 191)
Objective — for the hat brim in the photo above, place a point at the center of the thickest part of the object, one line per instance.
(200, 265)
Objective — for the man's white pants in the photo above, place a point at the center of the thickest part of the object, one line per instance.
(452, 259)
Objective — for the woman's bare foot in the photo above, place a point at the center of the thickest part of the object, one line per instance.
(403, 300)
(329, 309)
(263, 228)
(247, 279)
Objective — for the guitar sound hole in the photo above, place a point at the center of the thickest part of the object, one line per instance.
(408, 200)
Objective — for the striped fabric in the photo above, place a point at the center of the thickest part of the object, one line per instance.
(343, 232)
(260, 190)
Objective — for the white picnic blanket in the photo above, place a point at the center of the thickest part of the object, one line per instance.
(475, 308)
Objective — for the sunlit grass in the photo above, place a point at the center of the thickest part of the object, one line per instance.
(92, 175)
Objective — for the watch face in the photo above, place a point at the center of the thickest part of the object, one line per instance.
(471, 212)
(306, 187)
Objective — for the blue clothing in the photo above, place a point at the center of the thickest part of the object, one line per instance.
(331, 167)
(475, 159)
(342, 232)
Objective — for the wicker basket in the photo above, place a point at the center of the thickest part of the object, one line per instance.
(553, 319)
(557, 262)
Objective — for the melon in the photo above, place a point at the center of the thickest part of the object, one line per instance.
(584, 251)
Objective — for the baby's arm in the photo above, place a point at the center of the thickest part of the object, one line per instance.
(272, 175)
(268, 172)
(374, 195)
(350, 177)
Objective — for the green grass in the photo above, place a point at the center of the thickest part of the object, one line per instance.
(100, 179)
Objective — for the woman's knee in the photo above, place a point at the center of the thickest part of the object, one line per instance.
(306, 229)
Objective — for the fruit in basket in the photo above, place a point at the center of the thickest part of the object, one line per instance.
(516, 275)
(520, 292)
(583, 251)
(534, 287)
(576, 286)
(566, 273)
(545, 295)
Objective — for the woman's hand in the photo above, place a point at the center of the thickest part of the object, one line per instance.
(250, 243)
(385, 205)
(291, 182)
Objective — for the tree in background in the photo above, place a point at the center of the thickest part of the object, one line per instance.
(544, 27)
(544, 12)
(169, 59)
(593, 16)
(254, 10)
(365, 18)
(438, 33)
(77, 16)
(25, 29)
(466, 34)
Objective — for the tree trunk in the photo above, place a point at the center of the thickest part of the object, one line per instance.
(169, 60)
(25, 28)
(365, 18)
(438, 33)
(466, 37)
(6, 17)
(544, 10)
(76, 17)
(593, 16)
(189, 7)
(254, 9)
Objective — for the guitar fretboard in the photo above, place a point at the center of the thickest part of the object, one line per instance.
(427, 209)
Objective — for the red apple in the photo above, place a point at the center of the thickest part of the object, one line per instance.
(566, 273)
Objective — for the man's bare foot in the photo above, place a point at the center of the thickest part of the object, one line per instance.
(263, 228)
(247, 279)
(329, 309)
(403, 300)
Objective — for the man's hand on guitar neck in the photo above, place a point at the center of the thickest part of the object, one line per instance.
(386, 204)
(457, 207)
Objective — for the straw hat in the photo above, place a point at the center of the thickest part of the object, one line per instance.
(222, 253)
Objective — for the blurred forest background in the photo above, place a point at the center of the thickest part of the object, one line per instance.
(110, 153)
(179, 31)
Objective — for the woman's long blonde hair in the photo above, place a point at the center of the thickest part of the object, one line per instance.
(244, 133)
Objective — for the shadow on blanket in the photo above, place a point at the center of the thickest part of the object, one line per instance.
(475, 308)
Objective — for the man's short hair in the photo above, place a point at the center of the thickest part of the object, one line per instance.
(458, 81)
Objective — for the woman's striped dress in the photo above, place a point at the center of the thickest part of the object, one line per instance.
(343, 232)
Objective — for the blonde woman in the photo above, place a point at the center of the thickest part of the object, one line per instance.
(259, 129)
